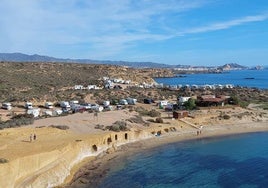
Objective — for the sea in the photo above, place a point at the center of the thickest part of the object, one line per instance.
(219, 162)
(236, 161)
(243, 78)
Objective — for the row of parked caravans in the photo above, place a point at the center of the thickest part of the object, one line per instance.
(67, 106)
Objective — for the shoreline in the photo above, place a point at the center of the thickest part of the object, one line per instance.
(92, 172)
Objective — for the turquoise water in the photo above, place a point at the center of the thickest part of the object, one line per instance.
(228, 162)
(237, 78)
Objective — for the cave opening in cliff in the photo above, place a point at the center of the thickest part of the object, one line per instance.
(109, 140)
(115, 137)
(95, 148)
(126, 136)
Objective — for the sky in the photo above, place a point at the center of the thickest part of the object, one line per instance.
(186, 32)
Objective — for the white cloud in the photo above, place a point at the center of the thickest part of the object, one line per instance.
(95, 29)
(226, 24)
(31, 25)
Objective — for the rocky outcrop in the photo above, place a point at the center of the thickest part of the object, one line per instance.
(50, 168)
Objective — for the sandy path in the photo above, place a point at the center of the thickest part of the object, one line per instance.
(84, 123)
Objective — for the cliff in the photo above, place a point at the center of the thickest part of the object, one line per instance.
(47, 162)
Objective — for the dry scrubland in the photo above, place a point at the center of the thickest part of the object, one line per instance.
(49, 81)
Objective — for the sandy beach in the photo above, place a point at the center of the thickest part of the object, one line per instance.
(93, 170)
(82, 155)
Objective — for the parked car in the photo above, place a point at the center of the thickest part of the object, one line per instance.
(6, 106)
(148, 101)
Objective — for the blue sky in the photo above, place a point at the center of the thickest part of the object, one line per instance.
(189, 32)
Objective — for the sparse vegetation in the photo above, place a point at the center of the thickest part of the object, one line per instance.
(138, 119)
(118, 126)
(98, 126)
(151, 113)
(61, 127)
(17, 121)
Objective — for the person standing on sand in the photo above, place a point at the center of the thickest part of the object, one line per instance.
(34, 136)
(31, 138)
(96, 115)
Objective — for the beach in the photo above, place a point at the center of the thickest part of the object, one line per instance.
(82, 155)
(94, 170)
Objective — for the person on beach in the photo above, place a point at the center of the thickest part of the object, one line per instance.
(31, 138)
(34, 136)
(96, 115)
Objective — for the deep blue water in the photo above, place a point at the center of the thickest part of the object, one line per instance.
(237, 78)
(227, 162)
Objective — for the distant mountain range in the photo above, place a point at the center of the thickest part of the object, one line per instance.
(20, 57)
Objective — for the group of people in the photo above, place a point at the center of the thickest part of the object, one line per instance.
(32, 137)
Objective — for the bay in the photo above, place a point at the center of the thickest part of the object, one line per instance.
(244, 78)
(232, 161)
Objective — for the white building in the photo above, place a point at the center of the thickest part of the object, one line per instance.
(79, 87)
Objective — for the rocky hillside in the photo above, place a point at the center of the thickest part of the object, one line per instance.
(25, 81)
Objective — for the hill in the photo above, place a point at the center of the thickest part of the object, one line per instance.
(233, 66)
(52, 81)
(20, 57)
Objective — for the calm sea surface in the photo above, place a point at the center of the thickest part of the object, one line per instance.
(228, 162)
(259, 79)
